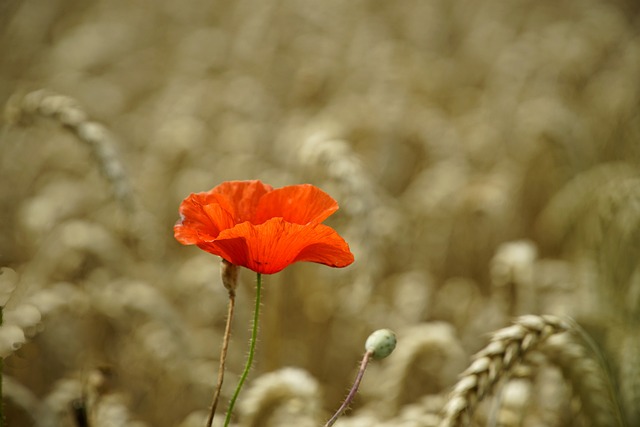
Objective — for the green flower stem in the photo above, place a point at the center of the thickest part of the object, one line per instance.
(252, 349)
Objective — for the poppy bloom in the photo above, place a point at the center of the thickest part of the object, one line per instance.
(250, 224)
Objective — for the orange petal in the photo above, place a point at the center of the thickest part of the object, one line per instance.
(243, 196)
(202, 217)
(330, 249)
(299, 204)
(270, 247)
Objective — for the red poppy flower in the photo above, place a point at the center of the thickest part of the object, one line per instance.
(250, 224)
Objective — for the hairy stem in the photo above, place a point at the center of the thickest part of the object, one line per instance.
(252, 348)
(353, 391)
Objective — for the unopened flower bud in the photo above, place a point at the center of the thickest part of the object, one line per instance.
(381, 343)
(229, 273)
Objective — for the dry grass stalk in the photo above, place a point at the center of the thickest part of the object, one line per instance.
(495, 362)
(68, 112)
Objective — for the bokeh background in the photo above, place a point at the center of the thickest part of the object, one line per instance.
(484, 155)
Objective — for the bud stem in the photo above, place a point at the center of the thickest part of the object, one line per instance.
(223, 357)
(353, 391)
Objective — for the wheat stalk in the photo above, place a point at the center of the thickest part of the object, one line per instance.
(69, 114)
(507, 348)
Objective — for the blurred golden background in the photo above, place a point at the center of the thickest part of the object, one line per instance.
(484, 155)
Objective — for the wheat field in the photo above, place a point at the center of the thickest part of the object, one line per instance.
(484, 155)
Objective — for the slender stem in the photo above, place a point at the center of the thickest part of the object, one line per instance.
(353, 391)
(79, 410)
(1, 373)
(252, 348)
(223, 357)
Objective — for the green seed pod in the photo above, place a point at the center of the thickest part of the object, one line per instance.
(381, 343)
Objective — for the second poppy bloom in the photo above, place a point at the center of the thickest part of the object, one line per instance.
(250, 224)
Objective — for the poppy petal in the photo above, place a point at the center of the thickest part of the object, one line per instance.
(273, 245)
(330, 249)
(299, 204)
(249, 224)
(202, 217)
(243, 196)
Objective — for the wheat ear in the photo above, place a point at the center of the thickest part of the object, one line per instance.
(588, 379)
(290, 394)
(507, 348)
(68, 113)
